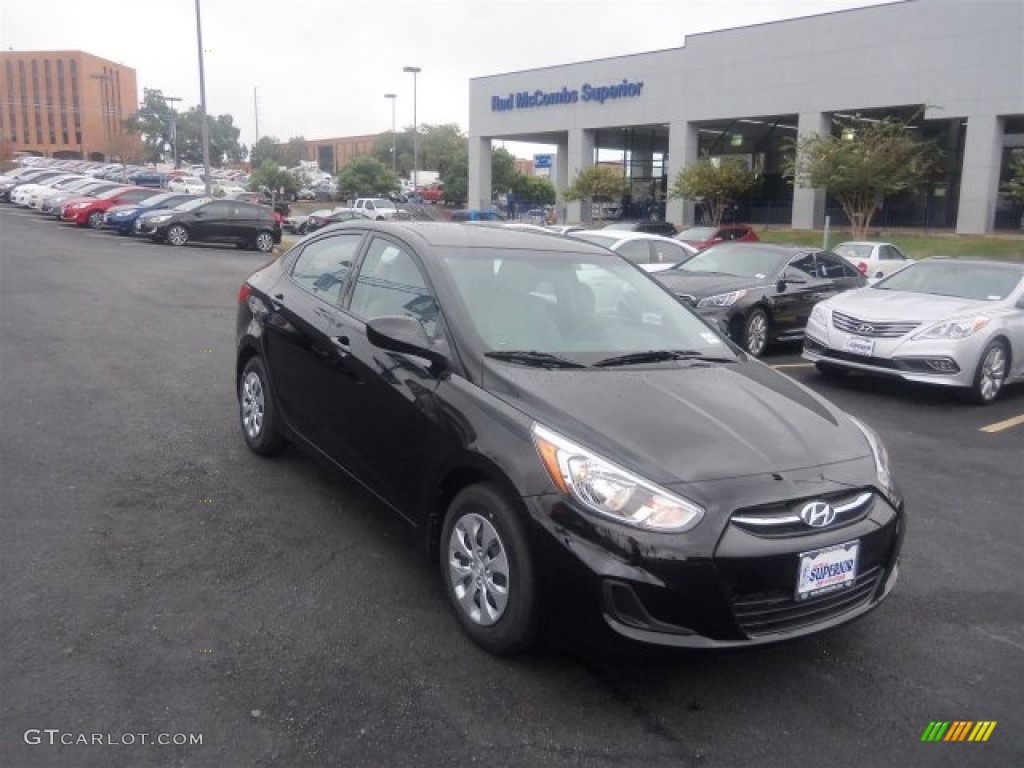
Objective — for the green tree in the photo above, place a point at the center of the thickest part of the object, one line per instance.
(439, 146)
(1013, 189)
(456, 180)
(862, 164)
(366, 176)
(273, 177)
(717, 180)
(152, 124)
(224, 146)
(294, 151)
(598, 183)
(534, 189)
(503, 171)
(266, 148)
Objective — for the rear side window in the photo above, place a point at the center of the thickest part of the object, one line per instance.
(835, 267)
(636, 251)
(324, 265)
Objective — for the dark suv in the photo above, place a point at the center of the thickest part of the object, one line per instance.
(215, 221)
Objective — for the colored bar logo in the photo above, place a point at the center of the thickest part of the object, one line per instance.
(958, 730)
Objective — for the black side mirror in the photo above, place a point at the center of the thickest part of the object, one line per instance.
(780, 286)
(401, 333)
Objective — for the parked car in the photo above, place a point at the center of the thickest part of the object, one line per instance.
(464, 376)
(121, 218)
(378, 208)
(650, 252)
(191, 185)
(432, 194)
(950, 322)
(648, 226)
(89, 211)
(704, 237)
(475, 214)
(319, 221)
(758, 293)
(873, 259)
(214, 221)
(53, 203)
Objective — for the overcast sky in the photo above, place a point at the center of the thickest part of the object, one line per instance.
(321, 67)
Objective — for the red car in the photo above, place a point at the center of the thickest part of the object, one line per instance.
(88, 211)
(705, 237)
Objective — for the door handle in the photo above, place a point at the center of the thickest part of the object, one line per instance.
(342, 344)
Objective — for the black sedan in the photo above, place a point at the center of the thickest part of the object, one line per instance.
(758, 293)
(577, 450)
(214, 221)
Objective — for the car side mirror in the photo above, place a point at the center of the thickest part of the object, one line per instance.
(780, 286)
(401, 333)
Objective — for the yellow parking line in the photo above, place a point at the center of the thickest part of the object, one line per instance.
(999, 426)
(794, 365)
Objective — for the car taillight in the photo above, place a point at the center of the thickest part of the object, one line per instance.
(863, 267)
(243, 292)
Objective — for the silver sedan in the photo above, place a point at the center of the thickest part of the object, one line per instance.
(953, 322)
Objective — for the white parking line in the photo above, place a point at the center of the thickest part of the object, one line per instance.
(999, 426)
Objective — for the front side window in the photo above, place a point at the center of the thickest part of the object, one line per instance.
(391, 283)
(324, 265)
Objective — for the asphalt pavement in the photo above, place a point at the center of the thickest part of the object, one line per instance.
(158, 582)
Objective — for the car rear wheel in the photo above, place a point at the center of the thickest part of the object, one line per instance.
(755, 333)
(990, 374)
(487, 570)
(264, 242)
(256, 410)
(177, 235)
(95, 220)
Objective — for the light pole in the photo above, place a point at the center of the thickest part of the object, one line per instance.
(174, 127)
(394, 141)
(415, 128)
(202, 102)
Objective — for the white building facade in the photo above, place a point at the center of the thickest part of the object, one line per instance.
(954, 68)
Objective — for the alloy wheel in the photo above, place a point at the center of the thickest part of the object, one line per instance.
(756, 335)
(177, 235)
(264, 242)
(992, 373)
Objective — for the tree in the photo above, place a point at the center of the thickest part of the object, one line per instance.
(534, 189)
(456, 180)
(293, 152)
(503, 171)
(597, 183)
(862, 164)
(366, 176)
(266, 148)
(439, 146)
(1014, 188)
(717, 180)
(152, 124)
(273, 177)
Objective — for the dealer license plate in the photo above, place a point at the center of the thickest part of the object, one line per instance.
(827, 570)
(859, 346)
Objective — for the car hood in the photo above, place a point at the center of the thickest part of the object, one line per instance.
(679, 423)
(879, 305)
(79, 199)
(701, 285)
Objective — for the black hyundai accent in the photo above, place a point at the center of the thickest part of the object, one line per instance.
(577, 450)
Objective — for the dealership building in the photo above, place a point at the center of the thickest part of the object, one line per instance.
(953, 69)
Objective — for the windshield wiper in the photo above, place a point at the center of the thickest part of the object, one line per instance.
(661, 355)
(532, 357)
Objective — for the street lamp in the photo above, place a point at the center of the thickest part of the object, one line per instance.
(415, 128)
(394, 141)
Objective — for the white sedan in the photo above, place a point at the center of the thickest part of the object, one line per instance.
(651, 253)
(191, 185)
(873, 259)
(951, 322)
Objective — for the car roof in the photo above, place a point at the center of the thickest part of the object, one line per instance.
(618, 235)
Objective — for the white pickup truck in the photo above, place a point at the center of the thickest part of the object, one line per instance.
(379, 208)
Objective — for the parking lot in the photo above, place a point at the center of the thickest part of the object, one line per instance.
(159, 579)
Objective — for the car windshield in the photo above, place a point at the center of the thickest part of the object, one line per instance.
(961, 279)
(853, 250)
(582, 308)
(739, 261)
(161, 198)
(696, 233)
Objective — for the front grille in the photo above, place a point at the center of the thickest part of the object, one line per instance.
(871, 329)
(783, 519)
(874, 362)
(770, 613)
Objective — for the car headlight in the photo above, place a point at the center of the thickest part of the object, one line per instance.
(611, 491)
(959, 328)
(818, 315)
(722, 299)
(881, 456)
(158, 219)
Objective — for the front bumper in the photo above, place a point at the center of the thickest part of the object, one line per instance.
(948, 362)
(611, 586)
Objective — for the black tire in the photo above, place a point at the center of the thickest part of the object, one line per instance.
(303, 228)
(257, 413)
(264, 242)
(990, 375)
(754, 335)
(474, 577)
(830, 371)
(176, 235)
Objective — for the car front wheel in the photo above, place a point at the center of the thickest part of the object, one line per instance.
(177, 235)
(755, 333)
(264, 242)
(257, 412)
(95, 220)
(487, 570)
(990, 374)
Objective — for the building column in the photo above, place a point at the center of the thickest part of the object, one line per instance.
(979, 185)
(808, 203)
(579, 156)
(682, 151)
(479, 193)
(561, 178)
